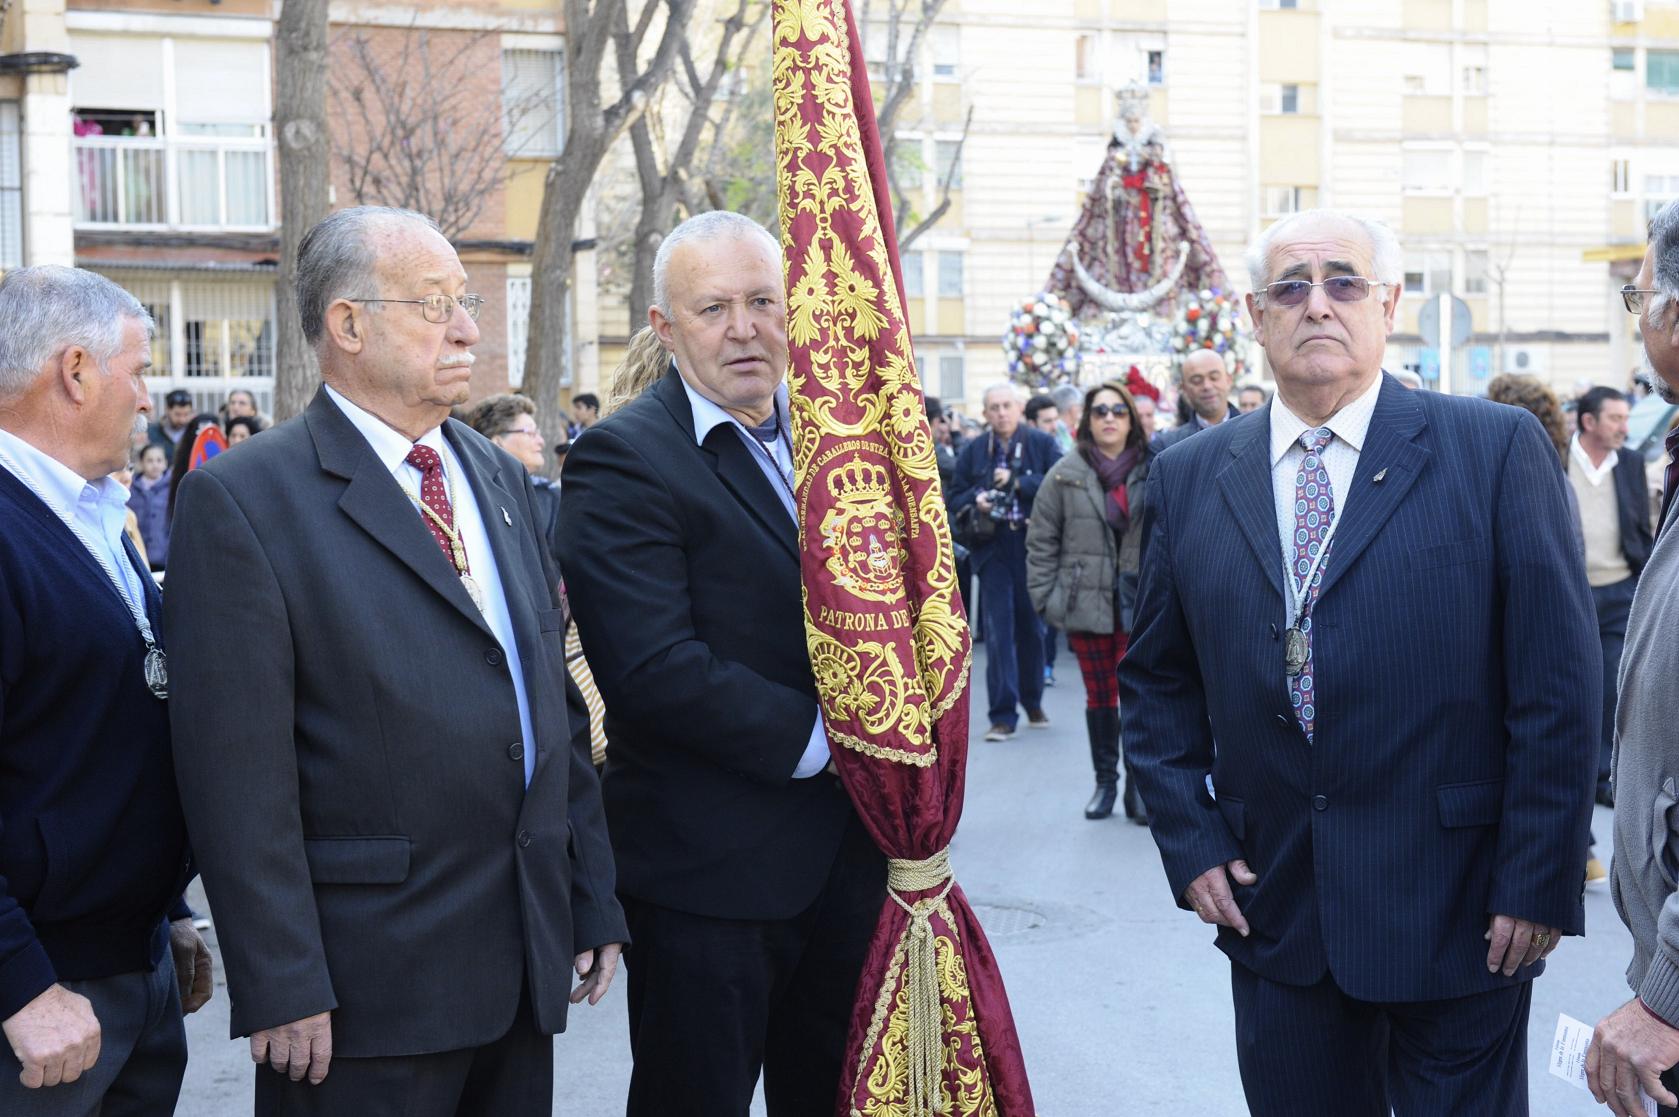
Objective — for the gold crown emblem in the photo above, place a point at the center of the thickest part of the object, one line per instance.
(860, 483)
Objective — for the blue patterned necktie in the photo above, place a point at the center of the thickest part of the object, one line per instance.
(1314, 511)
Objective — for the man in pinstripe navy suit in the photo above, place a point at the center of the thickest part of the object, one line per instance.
(1383, 622)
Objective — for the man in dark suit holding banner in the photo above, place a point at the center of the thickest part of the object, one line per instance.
(378, 746)
(1381, 620)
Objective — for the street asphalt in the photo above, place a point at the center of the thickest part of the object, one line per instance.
(1121, 1000)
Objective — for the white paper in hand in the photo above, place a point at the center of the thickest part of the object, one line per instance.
(1568, 1056)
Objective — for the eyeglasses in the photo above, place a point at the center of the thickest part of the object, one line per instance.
(533, 431)
(1340, 288)
(438, 308)
(1104, 410)
(1634, 298)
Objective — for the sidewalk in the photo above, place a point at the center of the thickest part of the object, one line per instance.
(1122, 1002)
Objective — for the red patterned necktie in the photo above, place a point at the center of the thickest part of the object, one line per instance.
(434, 494)
(1314, 510)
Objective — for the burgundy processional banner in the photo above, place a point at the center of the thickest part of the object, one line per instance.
(932, 1033)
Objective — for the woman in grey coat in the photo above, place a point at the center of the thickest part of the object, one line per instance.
(1083, 550)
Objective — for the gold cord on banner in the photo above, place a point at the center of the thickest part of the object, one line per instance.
(921, 978)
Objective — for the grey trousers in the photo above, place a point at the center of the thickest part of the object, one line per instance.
(142, 1053)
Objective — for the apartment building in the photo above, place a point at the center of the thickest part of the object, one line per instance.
(1516, 146)
(136, 140)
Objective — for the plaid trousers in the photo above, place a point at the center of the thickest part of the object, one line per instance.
(1099, 654)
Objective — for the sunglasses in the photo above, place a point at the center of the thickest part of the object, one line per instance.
(1339, 288)
(1104, 410)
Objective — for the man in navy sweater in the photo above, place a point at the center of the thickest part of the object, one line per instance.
(98, 955)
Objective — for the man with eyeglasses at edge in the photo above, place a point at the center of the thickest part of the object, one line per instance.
(1380, 619)
(390, 769)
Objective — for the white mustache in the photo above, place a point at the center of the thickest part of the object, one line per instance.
(142, 425)
(455, 359)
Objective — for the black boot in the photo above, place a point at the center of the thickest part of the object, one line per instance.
(1103, 727)
(1134, 809)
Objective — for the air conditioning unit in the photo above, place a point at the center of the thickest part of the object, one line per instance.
(1627, 11)
(1521, 358)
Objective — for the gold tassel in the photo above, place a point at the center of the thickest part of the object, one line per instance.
(921, 978)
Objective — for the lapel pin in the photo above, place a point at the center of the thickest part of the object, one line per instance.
(509, 519)
(1377, 480)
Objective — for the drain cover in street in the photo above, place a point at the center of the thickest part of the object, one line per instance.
(1003, 921)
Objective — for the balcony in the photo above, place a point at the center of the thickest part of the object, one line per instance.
(144, 182)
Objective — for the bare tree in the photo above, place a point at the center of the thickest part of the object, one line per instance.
(591, 127)
(665, 182)
(301, 129)
(905, 25)
(424, 125)
(738, 168)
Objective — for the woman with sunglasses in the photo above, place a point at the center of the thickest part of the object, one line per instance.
(1082, 555)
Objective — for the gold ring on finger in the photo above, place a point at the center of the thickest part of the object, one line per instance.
(1542, 940)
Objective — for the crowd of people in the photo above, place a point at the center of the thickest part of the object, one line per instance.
(1331, 639)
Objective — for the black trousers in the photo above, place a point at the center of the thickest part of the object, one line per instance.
(714, 1001)
(512, 1077)
(142, 1053)
(1614, 605)
(1312, 1050)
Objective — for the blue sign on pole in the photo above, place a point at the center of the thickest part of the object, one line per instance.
(1480, 361)
(1428, 365)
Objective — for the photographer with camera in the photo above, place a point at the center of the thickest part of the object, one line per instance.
(997, 477)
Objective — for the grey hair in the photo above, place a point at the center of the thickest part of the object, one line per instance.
(1008, 386)
(712, 225)
(336, 260)
(1386, 259)
(1664, 252)
(1066, 396)
(48, 308)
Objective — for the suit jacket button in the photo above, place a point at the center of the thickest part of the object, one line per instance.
(524, 838)
(516, 751)
(492, 656)
(1319, 803)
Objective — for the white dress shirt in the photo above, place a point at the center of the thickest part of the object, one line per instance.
(1593, 474)
(99, 508)
(391, 447)
(707, 417)
(1350, 426)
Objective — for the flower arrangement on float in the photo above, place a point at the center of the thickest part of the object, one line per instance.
(1041, 346)
(1211, 319)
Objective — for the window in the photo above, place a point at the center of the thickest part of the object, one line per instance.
(1623, 58)
(518, 328)
(1428, 69)
(1281, 200)
(228, 328)
(1084, 58)
(914, 287)
(1475, 271)
(1474, 173)
(1620, 176)
(1658, 191)
(907, 164)
(949, 162)
(11, 187)
(1428, 273)
(946, 45)
(533, 102)
(1661, 71)
(1282, 5)
(952, 376)
(1157, 67)
(1474, 79)
(950, 275)
(1275, 98)
(1427, 170)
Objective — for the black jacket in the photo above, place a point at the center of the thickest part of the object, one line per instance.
(682, 568)
(93, 849)
(1633, 498)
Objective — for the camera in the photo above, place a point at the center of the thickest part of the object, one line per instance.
(1001, 497)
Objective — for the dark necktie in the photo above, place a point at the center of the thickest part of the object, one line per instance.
(434, 494)
(1314, 511)
(768, 433)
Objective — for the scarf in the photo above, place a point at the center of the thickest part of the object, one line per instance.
(1112, 472)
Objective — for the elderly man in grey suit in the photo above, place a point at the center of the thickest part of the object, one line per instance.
(379, 751)
(1636, 1046)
